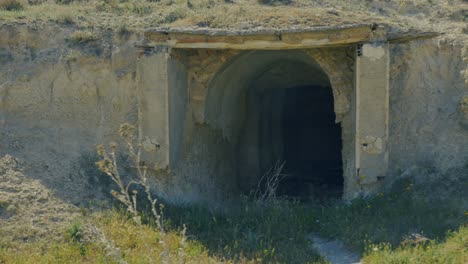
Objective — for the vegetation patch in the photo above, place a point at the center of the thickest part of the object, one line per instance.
(453, 250)
(249, 231)
(12, 5)
(80, 37)
(275, 2)
(390, 217)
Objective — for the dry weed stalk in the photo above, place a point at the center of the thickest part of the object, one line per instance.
(93, 234)
(109, 166)
(268, 184)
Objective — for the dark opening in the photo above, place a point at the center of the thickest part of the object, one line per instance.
(275, 107)
(312, 144)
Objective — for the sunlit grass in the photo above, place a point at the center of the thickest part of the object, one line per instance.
(142, 14)
(453, 250)
(247, 231)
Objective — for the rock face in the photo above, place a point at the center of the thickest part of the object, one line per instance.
(211, 111)
(427, 87)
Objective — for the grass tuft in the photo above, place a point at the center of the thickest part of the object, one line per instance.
(80, 37)
(65, 19)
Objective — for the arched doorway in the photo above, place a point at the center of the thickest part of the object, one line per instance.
(277, 107)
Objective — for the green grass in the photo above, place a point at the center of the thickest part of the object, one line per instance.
(247, 231)
(430, 209)
(251, 230)
(453, 250)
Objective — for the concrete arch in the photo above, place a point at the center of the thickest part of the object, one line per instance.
(237, 75)
(337, 63)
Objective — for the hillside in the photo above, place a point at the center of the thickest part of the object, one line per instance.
(444, 16)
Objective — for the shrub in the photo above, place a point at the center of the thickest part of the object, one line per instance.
(74, 233)
(11, 5)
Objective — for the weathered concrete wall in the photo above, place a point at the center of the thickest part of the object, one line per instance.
(59, 99)
(428, 82)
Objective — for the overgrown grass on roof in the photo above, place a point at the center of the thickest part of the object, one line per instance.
(143, 14)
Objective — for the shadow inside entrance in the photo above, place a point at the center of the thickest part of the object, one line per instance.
(312, 144)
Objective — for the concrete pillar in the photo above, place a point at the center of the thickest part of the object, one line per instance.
(162, 103)
(372, 107)
(153, 108)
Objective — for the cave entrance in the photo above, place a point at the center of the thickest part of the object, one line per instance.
(277, 107)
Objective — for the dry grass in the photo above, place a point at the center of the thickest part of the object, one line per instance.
(81, 36)
(135, 243)
(242, 14)
(12, 5)
(249, 232)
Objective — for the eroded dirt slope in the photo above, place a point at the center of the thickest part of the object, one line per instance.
(28, 210)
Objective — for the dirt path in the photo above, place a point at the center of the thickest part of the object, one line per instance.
(334, 251)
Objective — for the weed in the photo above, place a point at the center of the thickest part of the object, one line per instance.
(75, 232)
(268, 184)
(128, 197)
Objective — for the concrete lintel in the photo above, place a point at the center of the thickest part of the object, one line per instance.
(263, 39)
(409, 36)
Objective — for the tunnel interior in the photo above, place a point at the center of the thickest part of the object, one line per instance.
(277, 107)
(312, 143)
